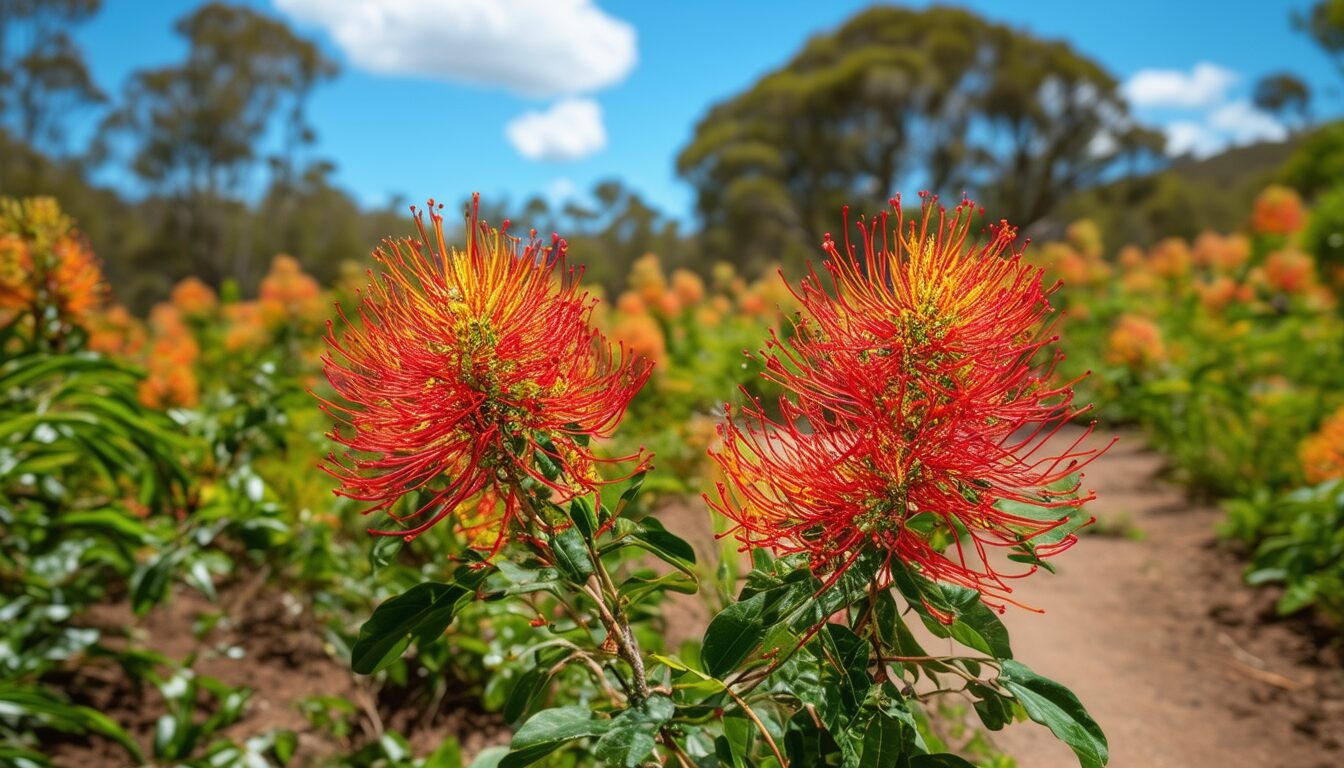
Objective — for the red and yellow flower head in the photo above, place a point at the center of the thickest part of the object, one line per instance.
(922, 410)
(469, 374)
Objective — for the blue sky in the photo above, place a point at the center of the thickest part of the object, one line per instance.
(424, 105)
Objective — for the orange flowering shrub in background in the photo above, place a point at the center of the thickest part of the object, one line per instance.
(1322, 453)
(193, 298)
(1135, 342)
(288, 294)
(46, 264)
(1277, 210)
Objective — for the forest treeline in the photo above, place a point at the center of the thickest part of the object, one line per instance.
(230, 171)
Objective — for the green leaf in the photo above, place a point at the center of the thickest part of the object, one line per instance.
(150, 584)
(974, 624)
(638, 587)
(883, 743)
(584, 517)
(995, 709)
(448, 755)
(384, 551)
(550, 730)
(651, 536)
(571, 555)
(1054, 706)
(732, 634)
(941, 760)
(527, 686)
(844, 673)
(633, 732)
(423, 611)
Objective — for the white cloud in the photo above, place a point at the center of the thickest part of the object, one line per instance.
(1186, 137)
(1204, 86)
(1232, 124)
(569, 130)
(1244, 123)
(532, 47)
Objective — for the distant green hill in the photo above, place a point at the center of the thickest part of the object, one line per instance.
(1183, 199)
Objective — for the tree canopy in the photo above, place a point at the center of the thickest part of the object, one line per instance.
(937, 99)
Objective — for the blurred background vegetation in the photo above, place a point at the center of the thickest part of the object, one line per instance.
(1032, 128)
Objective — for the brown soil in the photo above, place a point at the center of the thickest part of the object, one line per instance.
(1180, 662)
(271, 645)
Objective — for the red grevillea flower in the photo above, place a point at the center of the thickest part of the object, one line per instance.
(921, 409)
(470, 375)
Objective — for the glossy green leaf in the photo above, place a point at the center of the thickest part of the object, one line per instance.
(941, 760)
(638, 587)
(883, 743)
(423, 612)
(633, 731)
(550, 730)
(1054, 706)
(571, 555)
(584, 517)
(732, 634)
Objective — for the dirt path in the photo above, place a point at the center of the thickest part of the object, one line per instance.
(1180, 663)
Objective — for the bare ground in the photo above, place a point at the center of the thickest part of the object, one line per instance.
(1180, 662)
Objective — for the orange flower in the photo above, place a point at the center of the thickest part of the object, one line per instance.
(688, 287)
(1220, 292)
(245, 326)
(169, 385)
(16, 272)
(1170, 258)
(1289, 271)
(1135, 342)
(1131, 257)
(194, 298)
(1322, 453)
(289, 294)
(1278, 211)
(75, 280)
(115, 332)
(669, 304)
(752, 304)
(173, 344)
(646, 278)
(642, 335)
(630, 303)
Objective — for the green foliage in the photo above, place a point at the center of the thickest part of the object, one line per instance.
(1302, 547)
(936, 99)
(1317, 164)
(1324, 235)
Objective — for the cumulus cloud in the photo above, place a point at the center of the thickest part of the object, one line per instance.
(1232, 124)
(1244, 123)
(569, 130)
(1186, 137)
(538, 48)
(1207, 119)
(1203, 86)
